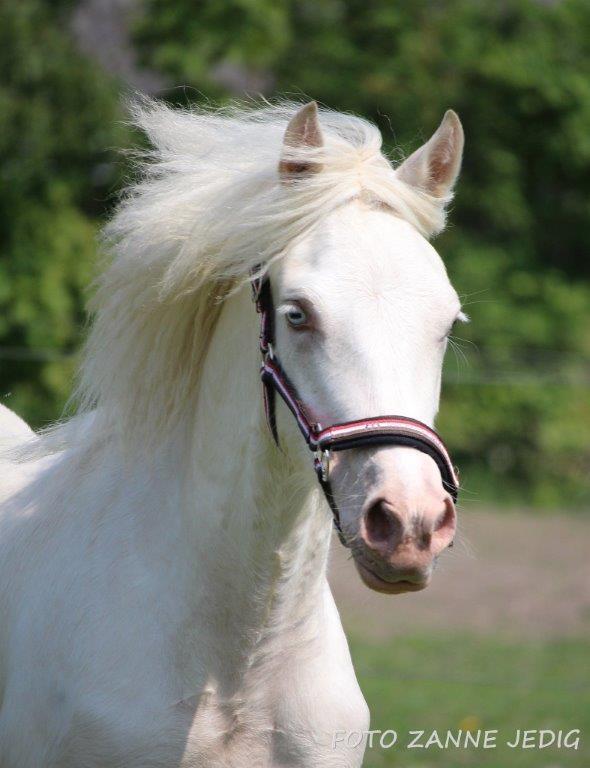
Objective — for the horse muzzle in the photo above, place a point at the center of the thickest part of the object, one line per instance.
(398, 543)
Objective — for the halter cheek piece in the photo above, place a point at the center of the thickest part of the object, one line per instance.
(373, 431)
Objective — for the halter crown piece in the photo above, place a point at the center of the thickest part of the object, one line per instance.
(372, 431)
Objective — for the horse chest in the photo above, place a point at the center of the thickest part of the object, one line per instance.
(269, 732)
(207, 731)
(230, 732)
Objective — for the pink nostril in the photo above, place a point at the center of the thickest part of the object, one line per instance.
(382, 525)
(445, 527)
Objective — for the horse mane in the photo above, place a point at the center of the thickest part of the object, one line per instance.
(207, 207)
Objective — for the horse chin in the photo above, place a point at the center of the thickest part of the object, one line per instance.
(378, 584)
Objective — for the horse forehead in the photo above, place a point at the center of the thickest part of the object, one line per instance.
(364, 251)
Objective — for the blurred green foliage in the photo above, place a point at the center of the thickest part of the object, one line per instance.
(518, 72)
(58, 125)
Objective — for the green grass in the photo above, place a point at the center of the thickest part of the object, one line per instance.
(454, 682)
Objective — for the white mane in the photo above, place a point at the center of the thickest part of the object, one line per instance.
(208, 207)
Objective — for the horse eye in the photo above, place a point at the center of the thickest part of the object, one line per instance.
(296, 317)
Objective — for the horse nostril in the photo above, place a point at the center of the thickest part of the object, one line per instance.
(447, 519)
(382, 524)
(445, 527)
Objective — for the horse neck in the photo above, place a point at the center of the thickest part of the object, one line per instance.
(257, 538)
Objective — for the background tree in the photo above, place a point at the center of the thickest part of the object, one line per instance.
(58, 124)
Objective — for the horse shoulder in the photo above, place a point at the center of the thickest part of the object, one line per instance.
(81, 648)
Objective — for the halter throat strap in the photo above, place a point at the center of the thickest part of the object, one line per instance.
(372, 431)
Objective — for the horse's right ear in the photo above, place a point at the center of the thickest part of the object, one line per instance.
(303, 133)
(434, 167)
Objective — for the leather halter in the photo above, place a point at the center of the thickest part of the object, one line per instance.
(372, 431)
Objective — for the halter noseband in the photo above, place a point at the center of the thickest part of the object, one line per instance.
(373, 431)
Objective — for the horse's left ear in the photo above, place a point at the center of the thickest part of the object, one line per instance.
(435, 166)
(303, 133)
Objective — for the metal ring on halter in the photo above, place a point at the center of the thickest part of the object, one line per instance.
(323, 457)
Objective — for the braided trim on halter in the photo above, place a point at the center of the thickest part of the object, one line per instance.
(372, 431)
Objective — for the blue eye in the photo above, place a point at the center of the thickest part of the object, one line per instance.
(296, 317)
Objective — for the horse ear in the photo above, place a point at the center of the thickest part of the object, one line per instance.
(435, 166)
(303, 131)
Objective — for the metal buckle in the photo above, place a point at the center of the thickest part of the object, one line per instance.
(323, 459)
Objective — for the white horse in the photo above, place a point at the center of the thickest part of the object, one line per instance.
(163, 592)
